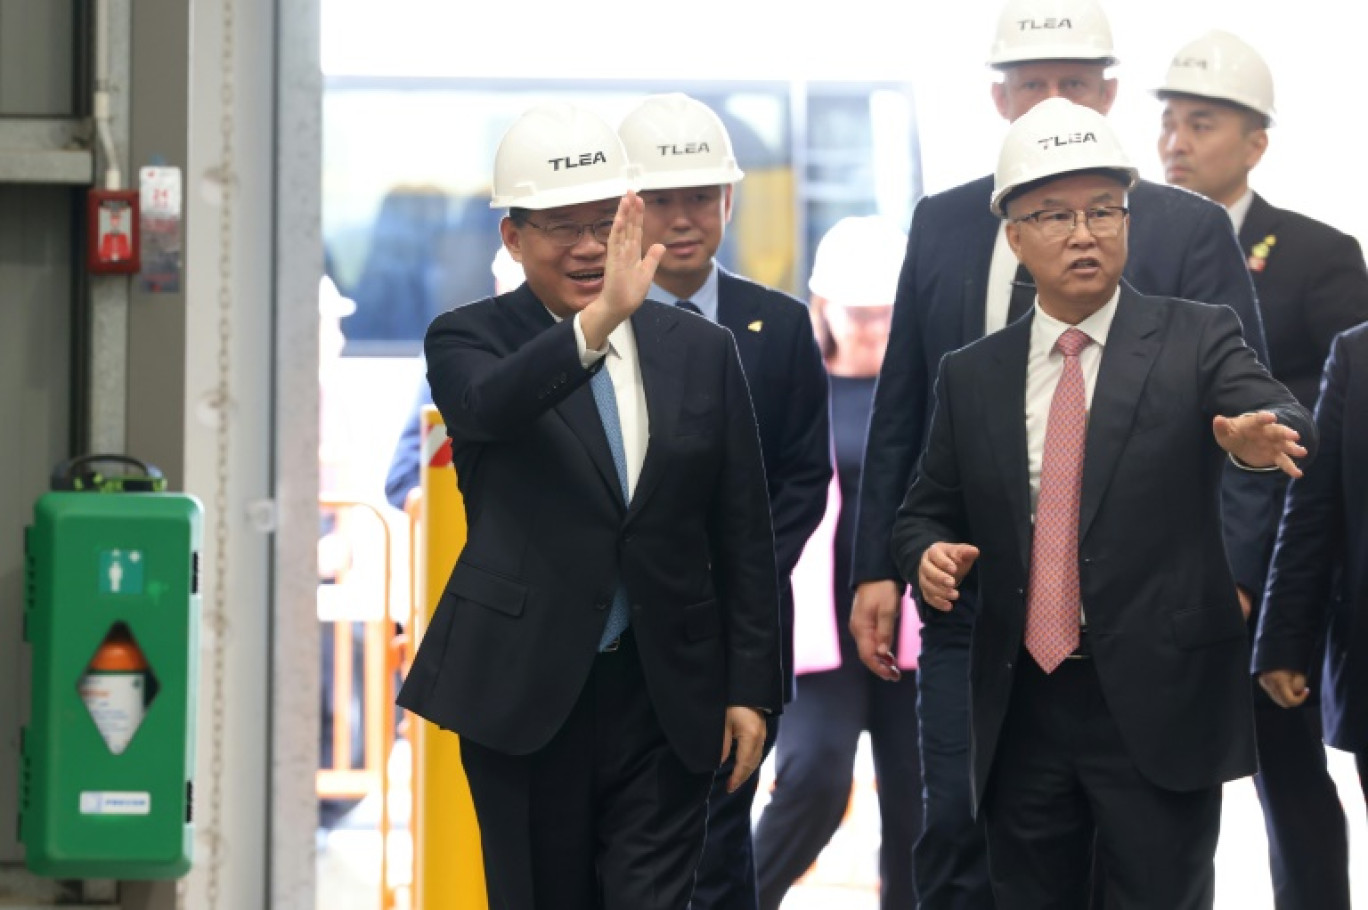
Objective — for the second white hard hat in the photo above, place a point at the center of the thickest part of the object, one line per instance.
(1030, 30)
(1055, 138)
(858, 261)
(677, 141)
(1220, 66)
(559, 154)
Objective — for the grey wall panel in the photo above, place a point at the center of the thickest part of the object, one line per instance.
(37, 56)
(35, 329)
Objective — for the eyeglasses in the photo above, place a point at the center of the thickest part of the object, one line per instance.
(1055, 224)
(568, 233)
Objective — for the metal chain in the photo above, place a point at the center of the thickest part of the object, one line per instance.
(217, 620)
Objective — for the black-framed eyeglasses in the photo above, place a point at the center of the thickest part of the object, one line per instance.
(568, 233)
(1054, 224)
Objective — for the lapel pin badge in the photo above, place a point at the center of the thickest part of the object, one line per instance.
(1258, 256)
(757, 325)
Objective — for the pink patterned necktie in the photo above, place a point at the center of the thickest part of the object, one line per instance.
(1054, 603)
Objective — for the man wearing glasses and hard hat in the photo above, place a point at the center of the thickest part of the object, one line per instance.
(1074, 463)
(960, 281)
(610, 631)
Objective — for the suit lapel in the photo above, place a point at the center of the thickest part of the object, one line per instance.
(1260, 223)
(577, 410)
(1005, 414)
(975, 290)
(738, 311)
(1132, 345)
(662, 372)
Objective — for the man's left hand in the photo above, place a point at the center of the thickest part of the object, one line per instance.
(747, 727)
(1257, 440)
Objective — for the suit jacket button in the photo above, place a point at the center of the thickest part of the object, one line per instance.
(1009, 665)
(600, 606)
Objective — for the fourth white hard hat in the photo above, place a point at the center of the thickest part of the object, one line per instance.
(1220, 66)
(858, 260)
(1030, 30)
(1055, 138)
(677, 141)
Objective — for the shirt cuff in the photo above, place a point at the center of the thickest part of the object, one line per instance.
(1233, 460)
(587, 355)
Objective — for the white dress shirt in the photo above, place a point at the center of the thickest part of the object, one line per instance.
(624, 367)
(1001, 273)
(1044, 366)
(1240, 209)
(705, 298)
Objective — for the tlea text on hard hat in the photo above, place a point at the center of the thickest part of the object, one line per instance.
(585, 159)
(1050, 142)
(689, 148)
(1032, 25)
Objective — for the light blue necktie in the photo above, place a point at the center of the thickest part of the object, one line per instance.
(602, 385)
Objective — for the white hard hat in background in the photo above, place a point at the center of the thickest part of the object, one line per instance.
(858, 261)
(677, 141)
(1054, 138)
(1220, 66)
(559, 154)
(331, 302)
(507, 271)
(1030, 30)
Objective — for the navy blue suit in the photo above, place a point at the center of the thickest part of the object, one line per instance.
(1318, 585)
(1181, 245)
(788, 387)
(1312, 284)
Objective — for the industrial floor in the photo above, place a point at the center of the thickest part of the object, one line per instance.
(846, 875)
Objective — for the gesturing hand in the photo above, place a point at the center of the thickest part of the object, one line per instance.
(627, 273)
(943, 567)
(1258, 440)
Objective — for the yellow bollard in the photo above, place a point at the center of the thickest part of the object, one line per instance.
(448, 865)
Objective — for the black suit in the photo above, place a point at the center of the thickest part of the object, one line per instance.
(788, 388)
(1312, 284)
(1181, 245)
(1318, 586)
(511, 653)
(1169, 652)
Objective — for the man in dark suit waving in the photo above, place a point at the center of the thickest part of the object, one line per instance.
(1074, 465)
(610, 629)
(959, 282)
(688, 171)
(1312, 284)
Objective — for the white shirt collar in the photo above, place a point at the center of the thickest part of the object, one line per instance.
(1047, 329)
(1240, 209)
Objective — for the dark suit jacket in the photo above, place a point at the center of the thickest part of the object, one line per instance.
(1181, 245)
(1318, 585)
(1312, 285)
(550, 539)
(788, 386)
(1168, 639)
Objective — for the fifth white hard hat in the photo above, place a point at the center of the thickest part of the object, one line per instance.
(677, 141)
(1220, 66)
(1031, 30)
(858, 261)
(559, 154)
(1055, 138)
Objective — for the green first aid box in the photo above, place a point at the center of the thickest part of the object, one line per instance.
(111, 617)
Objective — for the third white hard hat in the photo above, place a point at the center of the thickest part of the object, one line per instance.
(1055, 138)
(559, 154)
(677, 141)
(858, 261)
(1220, 66)
(1030, 30)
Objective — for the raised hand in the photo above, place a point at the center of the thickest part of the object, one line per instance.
(627, 273)
(1257, 439)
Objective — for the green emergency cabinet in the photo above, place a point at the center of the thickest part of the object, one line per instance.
(103, 566)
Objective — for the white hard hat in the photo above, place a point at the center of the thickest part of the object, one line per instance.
(1030, 30)
(1220, 66)
(858, 261)
(331, 302)
(559, 154)
(1054, 138)
(677, 141)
